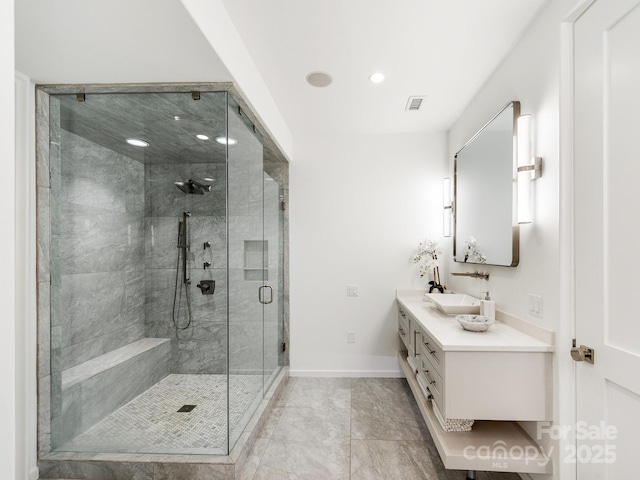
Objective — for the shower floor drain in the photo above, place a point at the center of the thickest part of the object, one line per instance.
(186, 408)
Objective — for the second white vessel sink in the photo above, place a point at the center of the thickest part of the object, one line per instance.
(454, 303)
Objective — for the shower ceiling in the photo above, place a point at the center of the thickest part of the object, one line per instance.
(109, 119)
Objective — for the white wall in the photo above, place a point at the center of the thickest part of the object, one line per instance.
(25, 281)
(8, 449)
(359, 207)
(530, 74)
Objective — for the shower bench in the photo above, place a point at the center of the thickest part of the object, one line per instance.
(98, 387)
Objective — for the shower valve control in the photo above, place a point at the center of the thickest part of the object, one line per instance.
(207, 287)
(206, 265)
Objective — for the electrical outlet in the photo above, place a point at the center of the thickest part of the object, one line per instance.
(535, 305)
(351, 337)
(352, 290)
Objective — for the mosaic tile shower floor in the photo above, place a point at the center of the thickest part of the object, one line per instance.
(151, 421)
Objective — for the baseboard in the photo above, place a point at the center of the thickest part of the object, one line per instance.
(348, 373)
(34, 474)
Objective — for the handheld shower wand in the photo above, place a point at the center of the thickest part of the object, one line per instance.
(183, 247)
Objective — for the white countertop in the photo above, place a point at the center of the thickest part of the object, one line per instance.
(450, 336)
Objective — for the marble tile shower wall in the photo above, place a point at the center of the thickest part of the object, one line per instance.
(97, 230)
(201, 348)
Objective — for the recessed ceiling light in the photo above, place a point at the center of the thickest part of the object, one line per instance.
(376, 77)
(208, 179)
(202, 136)
(224, 141)
(319, 79)
(136, 142)
(177, 117)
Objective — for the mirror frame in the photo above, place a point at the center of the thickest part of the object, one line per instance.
(515, 228)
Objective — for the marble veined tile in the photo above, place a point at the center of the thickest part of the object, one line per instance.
(169, 471)
(96, 240)
(375, 422)
(384, 409)
(92, 304)
(294, 461)
(320, 392)
(81, 352)
(108, 360)
(392, 459)
(93, 175)
(313, 426)
(107, 470)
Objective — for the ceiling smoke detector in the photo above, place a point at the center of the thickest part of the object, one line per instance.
(414, 104)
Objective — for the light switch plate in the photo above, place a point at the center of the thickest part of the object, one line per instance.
(535, 305)
(352, 290)
(351, 337)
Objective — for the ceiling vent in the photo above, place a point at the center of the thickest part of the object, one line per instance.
(414, 104)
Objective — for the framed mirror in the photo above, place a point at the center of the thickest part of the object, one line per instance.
(485, 228)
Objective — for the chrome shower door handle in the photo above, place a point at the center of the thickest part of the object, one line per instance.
(270, 294)
(261, 294)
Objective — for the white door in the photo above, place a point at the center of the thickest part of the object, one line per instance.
(607, 238)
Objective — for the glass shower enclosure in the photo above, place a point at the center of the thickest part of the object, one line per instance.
(166, 267)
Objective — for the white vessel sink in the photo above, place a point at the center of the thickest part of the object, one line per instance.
(454, 303)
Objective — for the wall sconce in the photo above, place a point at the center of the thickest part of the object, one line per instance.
(447, 207)
(529, 168)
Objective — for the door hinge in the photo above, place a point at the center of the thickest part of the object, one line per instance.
(582, 353)
(284, 347)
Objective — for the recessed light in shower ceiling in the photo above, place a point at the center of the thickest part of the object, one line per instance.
(136, 142)
(224, 141)
(319, 79)
(201, 136)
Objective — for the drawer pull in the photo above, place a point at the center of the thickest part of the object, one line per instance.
(431, 352)
(402, 332)
(426, 374)
(402, 313)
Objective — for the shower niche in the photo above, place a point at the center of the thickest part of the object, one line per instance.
(256, 259)
(143, 272)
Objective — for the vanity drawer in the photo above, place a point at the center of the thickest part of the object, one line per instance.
(415, 335)
(403, 329)
(432, 380)
(432, 351)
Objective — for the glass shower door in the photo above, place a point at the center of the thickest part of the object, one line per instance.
(274, 281)
(247, 272)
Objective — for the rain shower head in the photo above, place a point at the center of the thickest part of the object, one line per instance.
(193, 187)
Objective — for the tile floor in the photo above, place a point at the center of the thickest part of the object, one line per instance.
(347, 429)
(340, 428)
(151, 423)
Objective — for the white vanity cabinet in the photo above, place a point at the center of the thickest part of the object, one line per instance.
(404, 332)
(409, 332)
(495, 378)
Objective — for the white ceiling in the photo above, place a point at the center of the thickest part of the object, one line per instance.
(444, 49)
(117, 41)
